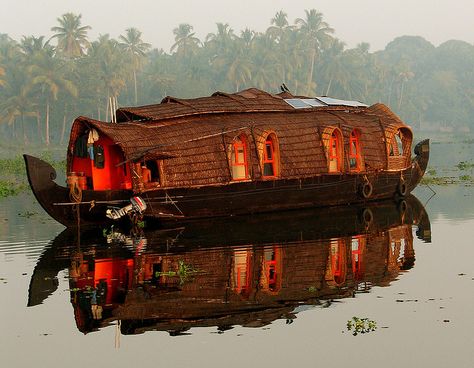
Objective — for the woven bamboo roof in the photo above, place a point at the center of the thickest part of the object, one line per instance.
(192, 134)
(170, 107)
(249, 100)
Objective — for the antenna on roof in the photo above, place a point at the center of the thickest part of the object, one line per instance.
(284, 88)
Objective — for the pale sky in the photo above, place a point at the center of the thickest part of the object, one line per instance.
(374, 21)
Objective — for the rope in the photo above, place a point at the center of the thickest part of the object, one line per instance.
(75, 195)
(75, 192)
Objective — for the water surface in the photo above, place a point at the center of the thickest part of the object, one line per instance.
(271, 291)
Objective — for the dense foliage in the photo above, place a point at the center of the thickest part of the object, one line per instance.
(44, 83)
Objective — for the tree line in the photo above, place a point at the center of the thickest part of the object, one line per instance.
(45, 83)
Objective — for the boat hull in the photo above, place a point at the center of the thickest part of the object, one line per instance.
(181, 204)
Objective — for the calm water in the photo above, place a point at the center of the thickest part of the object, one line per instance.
(270, 291)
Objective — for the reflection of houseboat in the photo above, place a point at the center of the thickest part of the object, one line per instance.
(177, 279)
(231, 154)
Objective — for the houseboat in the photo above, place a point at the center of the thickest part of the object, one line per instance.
(229, 154)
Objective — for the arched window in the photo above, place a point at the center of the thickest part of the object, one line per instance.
(335, 151)
(355, 156)
(239, 159)
(399, 148)
(270, 157)
(396, 147)
(400, 143)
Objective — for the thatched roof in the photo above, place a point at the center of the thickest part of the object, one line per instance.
(194, 133)
(249, 100)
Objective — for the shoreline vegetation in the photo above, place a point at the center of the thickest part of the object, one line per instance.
(13, 179)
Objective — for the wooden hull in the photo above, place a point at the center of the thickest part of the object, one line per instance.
(181, 204)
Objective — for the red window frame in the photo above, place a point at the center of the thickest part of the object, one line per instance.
(335, 149)
(357, 256)
(245, 287)
(269, 160)
(354, 143)
(337, 261)
(272, 270)
(240, 143)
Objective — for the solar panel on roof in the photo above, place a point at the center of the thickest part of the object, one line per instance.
(336, 102)
(297, 103)
(313, 102)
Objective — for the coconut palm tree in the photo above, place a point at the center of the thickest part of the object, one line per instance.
(30, 45)
(186, 44)
(72, 37)
(220, 41)
(136, 50)
(235, 63)
(108, 64)
(247, 36)
(49, 74)
(332, 68)
(17, 102)
(317, 35)
(266, 62)
(279, 25)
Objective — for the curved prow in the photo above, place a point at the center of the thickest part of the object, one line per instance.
(420, 161)
(41, 177)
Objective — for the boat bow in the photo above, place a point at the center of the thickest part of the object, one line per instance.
(420, 162)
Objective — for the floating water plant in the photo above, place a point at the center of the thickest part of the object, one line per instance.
(465, 165)
(358, 325)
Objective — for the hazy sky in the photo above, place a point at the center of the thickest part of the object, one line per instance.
(373, 21)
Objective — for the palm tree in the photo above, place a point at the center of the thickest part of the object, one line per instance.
(30, 45)
(48, 72)
(136, 50)
(235, 63)
(17, 100)
(159, 76)
(247, 36)
(316, 33)
(332, 67)
(107, 64)
(266, 62)
(279, 25)
(30, 49)
(222, 39)
(186, 44)
(72, 37)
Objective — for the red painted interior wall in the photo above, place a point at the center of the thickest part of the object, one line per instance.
(109, 177)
